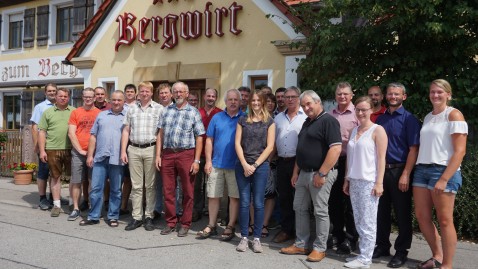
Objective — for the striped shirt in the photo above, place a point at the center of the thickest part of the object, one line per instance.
(181, 127)
(142, 122)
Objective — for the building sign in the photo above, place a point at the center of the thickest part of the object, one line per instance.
(37, 69)
(186, 26)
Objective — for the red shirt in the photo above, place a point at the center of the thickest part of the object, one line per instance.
(374, 115)
(205, 121)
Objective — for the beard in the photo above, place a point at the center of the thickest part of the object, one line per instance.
(179, 101)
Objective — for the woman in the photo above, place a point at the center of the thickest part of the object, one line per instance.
(255, 135)
(364, 179)
(437, 175)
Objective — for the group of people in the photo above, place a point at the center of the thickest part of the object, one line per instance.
(354, 163)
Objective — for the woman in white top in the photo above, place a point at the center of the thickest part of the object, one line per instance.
(364, 179)
(437, 175)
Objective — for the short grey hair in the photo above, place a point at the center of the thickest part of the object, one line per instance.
(293, 88)
(311, 94)
(397, 85)
(234, 91)
(118, 91)
(180, 84)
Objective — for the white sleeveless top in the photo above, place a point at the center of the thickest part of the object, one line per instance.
(435, 137)
(362, 156)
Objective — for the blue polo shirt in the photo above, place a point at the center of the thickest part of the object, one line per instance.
(222, 129)
(107, 129)
(39, 109)
(403, 131)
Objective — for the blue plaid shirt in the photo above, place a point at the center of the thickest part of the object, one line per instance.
(180, 127)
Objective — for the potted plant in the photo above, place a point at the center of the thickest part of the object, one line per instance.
(22, 172)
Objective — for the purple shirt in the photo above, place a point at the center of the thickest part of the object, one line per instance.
(348, 121)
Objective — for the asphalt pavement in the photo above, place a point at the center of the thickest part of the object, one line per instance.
(30, 238)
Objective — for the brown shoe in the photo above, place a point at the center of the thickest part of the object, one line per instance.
(281, 237)
(293, 250)
(316, 256)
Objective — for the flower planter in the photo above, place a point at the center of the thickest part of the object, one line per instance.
(22, 177)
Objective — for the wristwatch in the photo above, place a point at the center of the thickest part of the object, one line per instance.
(197, 161)
(255, 165)
(320, 174)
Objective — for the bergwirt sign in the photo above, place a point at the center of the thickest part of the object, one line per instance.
(187, 25)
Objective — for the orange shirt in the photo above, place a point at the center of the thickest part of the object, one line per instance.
(83, 119)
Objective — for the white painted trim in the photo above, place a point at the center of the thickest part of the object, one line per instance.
(6, 31)
(278, 18)
(291, 66)
(247, 74)
(101, 32)
(54, 5)
(102, 82)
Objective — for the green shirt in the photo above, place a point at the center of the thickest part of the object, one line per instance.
(54, 122)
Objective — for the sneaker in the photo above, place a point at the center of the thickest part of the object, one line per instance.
(242, 247)
(349, 259)
(356, 264)
(74, 215)
(55, 211)
(256, 246)
(44, 204)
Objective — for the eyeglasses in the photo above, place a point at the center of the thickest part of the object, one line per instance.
(293, 97)
(358, 110)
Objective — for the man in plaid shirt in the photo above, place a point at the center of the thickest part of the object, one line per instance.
(178, 152)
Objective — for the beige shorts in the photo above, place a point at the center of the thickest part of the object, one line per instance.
(218, 179)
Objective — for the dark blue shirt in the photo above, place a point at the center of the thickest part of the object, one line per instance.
(403, 131)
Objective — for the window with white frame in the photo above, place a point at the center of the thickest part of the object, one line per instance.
(256, 79)
(64, 24)
(15, 31)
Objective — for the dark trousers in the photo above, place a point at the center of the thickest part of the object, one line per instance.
(340, 208)
(199, 188)
(285, 168)
(402, 206)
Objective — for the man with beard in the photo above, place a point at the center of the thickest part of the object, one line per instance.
(403, 131)
(178, 152)
(43, 171)
(207, 112)
(375, 93)
(138, 141)
(245, 92)
(281, 106)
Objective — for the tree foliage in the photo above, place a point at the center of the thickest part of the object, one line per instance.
(378, 42)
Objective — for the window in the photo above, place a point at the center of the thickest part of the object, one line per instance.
(64, 24)
(256, 79)
(12, 111)
(15, 30)
(258, 82)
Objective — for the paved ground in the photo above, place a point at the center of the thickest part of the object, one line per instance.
(30, 238)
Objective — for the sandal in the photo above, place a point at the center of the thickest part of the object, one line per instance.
(87, 222)
(266, 233)
(251, 229)
(228, 233)
(429, 264)
(112, 223)
(205, 234)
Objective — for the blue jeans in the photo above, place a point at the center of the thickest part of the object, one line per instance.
(254, 185)
(101, 171)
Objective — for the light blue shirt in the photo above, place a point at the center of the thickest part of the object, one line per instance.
(287, 132)
(107, 130)
(39, 109)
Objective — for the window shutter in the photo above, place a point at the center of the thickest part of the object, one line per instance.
(90, 11)
(43, 13)
(1, 21)
(29, 28)
(79, 18)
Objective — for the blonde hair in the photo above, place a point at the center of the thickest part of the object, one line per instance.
(264, 113)
(445, 85)
(146, 84)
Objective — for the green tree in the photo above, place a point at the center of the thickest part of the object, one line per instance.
(378, 42)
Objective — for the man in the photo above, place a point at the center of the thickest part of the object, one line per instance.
(220, 161)
(165, 94)
(403, 131)
(79, 125)
(100, 99)
(43, 172)
(193, 99)
(340, 209)
(378, 108)
(281, 106)
(130, 100)
(207, 112)
(138, 141)
(178, 152)
(318, 150)
(265, 90)
(245, 93)
(288, 125)
(107, 164)
(55, 148)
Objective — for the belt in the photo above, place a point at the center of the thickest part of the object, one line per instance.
(147, 145)
(394, 165)
(287, 159)
(432, 165)
(310, 170)
(175, 150)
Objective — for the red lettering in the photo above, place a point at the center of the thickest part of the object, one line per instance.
(208, 19)
(156, 22)
(234, 8)
(143, 25)
(220, 12)
(191, 25)
(170, 32)
(127, 32)
(44, 67)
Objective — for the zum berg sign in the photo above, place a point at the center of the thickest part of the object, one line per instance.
(187, 25)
